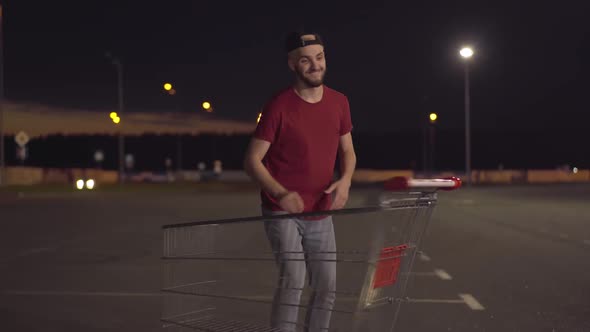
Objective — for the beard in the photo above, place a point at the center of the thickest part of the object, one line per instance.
(310, 82)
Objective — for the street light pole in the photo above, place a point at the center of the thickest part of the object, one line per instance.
(176, 107)
(467, 53)
(121, 137)
(179, 154)
(467, 126)
(432, 127)
(119, 66)
(2, 177)
(425, 159)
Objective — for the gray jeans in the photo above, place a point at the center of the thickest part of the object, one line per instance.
(302, 246)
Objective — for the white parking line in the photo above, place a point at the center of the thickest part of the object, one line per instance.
(442, 274)
(471, 302)
(424, 257)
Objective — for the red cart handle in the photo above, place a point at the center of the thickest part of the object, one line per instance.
(403, 183)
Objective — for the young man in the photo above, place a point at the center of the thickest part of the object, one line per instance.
(292, 157)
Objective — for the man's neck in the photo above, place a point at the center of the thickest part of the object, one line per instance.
(309, 94)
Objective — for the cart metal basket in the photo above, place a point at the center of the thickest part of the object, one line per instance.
(221, 275)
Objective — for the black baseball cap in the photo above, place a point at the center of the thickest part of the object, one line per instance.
(298, 39)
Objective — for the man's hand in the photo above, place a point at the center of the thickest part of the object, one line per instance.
(291, 202)
(341, 188)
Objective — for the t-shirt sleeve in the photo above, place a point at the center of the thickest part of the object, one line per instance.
(345, 118)
(269, 124)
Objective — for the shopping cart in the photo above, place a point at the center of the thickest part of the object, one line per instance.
(222, 275)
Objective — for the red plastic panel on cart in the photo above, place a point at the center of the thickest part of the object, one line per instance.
(388, 265)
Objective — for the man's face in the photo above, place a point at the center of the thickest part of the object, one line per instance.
(309, 64)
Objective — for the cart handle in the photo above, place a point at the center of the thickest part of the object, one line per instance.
(402, 183)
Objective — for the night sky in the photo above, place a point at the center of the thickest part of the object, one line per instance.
(396, 60)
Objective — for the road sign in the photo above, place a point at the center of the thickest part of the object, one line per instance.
(129, 161)
(21, 139)
(21, 153)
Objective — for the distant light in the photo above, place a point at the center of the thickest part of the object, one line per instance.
(98, 156)
(433, 117)
(575, 170)
(116, 120)
(90, 184)
(259, 116)
(167, 86)
(172, 92)
(466, 52)
(206, 105)
(80, 184)
(113, 115)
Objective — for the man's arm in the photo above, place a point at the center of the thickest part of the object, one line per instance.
(347, 157)
(347, 166)
(289, 201)
(256, 170)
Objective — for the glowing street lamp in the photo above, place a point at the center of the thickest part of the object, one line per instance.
(115, 117)
(167, 86)
(207, 106)
(433, 117)
(466, 52)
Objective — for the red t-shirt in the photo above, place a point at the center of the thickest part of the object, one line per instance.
(304, 141)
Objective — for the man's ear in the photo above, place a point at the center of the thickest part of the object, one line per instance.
(292, 58)
(291, 63)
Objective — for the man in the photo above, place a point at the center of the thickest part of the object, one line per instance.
(292, 157)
